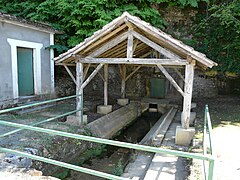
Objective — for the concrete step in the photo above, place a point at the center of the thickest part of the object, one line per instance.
(157, 132)
(137, 169)
(167, 167)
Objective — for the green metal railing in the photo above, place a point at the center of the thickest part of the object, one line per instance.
(208, 174)
(204, 157)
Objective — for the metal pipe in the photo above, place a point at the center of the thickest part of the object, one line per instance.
(37, 104)
(211, 169)
(43, 121)
(63, 164)
(110, 142)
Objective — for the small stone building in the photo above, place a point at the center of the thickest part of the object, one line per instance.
(26, 67)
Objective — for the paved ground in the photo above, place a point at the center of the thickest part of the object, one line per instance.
(227, 146)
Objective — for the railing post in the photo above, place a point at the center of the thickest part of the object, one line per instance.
(210, 170)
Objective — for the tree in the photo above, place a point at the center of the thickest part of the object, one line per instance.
(80, 18)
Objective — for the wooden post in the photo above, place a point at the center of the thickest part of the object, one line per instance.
(130, 50)
(105, 84)
(79, 90)
(187, 99)
(123, 86)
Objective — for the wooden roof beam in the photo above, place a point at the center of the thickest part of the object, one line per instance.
(171, 62)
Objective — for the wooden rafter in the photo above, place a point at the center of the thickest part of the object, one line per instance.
(109, 45)
(108, 36)
(155, 46)
(171, 80)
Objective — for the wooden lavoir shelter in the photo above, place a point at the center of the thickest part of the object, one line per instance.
(129, 41)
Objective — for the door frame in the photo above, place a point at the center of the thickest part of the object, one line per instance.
(36, 64)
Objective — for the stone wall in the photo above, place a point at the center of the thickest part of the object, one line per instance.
(204, 86)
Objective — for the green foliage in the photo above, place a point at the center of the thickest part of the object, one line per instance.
(218, 35)
(118, 169)
(79, 19)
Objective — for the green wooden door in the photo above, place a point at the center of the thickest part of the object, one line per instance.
(157, 88)
(25, 71)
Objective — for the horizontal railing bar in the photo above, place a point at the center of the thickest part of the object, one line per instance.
(63, 164)
(110, 142)
(41, 122)
(37, 104)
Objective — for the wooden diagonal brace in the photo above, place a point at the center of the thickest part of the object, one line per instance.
(171, 80)
(70, 73)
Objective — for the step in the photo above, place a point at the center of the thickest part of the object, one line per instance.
(164, 166)
(138, 168)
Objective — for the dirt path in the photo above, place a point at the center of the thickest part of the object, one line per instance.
(227, 147)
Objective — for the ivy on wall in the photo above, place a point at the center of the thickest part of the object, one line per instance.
(215, 30)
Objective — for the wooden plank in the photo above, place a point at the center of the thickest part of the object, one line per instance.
(110, 44)
(179, 74)
(114, 32)
(155, 46)
(132, 73)
(79, 89)
(119, 47)
(70, 74)
(86, 71)
(105, 84)
(91, 76)
(189, 75)
(171, 80)
(170, 62)
(147, 54)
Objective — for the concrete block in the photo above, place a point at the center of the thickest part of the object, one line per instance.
(102, 109)
(184, 136)
(193, 105)
(123, 101)
(76, 120)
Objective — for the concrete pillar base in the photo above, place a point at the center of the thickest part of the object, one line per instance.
(193, 116)
(184, 136)
(123, 101)
(76, 120)
(102, 109)
(193, 105)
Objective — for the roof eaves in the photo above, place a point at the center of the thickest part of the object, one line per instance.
(40, 26)
(108, 27)
(172, 41)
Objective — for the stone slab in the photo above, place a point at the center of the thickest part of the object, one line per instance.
(110, 124)
(123, 101)
(102, 109)
(76, 120)
(167, 167)
(184, 136)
